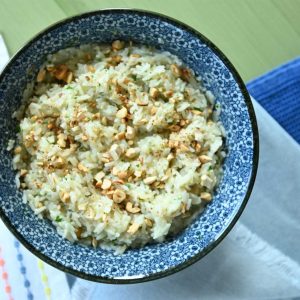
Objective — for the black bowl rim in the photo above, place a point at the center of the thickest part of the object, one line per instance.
(252, 116)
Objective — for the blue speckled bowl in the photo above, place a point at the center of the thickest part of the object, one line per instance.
(153, 261)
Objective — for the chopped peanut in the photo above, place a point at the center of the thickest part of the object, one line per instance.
(142, 122)
(117, 45)
(65, 197)
(153, 110)
(84, 138)
(119, 196)
(69, 77)
(122, 175)
(148, 222)
(185, 74)
(91, 68)
(17, 150)
(81, 116)
(61, 72)
(99, 176)
(96, 116)
(106, 184)
(116, 59)
(82, 168)
(78, 232)
(58, 163)
(170, 156)
(153, 93)
(50, 126)
(175, 128)
(182, 122)
(133, 228)
(61, 140)
(184, 148)
(165, 177)
(23, 172)
(131, 209)
(198, 147)
(138, 173)
(41, 75)
(130, 133)
(142, 103)
(114, 171)
(118, 181)
(122, 113)
(204, 159)
(104, 121)
(98, 184)
(135, 55)
(132, 152)
(168, 94)
(197, 112)
(119, 136)
(149, 180)
(206, 196)
(176, 70)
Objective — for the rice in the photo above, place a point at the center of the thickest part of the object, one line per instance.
(119, 145)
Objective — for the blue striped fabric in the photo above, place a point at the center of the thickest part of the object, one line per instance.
(278, 91)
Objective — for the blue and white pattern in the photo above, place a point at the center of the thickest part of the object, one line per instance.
(237, 115)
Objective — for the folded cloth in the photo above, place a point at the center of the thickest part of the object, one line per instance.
(278, 92)
(22, 275)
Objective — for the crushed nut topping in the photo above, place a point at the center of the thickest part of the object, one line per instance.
(206, 196)
(131, 209)
(204, 159)
(82, 168)
(133, 228)
(106, 184)
(132, 152)
(119, 196)
(122, 113)
(117, 45)
(149, 180)
(114, 135)
(130, 133)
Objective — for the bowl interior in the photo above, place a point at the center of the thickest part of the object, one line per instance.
(239, 169)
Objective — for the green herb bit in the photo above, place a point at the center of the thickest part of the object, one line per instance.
(58, 219)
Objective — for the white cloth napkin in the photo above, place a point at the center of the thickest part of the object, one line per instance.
(3, 53)
(260, 257)
(23, 275)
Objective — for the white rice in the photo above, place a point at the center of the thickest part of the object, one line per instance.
(71, 145)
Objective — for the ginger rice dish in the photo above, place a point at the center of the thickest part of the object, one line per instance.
(119, 145)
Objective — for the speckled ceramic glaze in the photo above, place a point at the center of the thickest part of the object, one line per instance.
(240, 166)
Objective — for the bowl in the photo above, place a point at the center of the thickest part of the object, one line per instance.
(238, 117)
